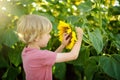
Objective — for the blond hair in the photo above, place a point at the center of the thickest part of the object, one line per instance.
(29, 27)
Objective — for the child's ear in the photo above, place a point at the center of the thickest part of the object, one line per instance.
(37, 38)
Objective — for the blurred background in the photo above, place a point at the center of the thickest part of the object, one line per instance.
(99, 57)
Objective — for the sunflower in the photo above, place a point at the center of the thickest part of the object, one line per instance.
(66, 28)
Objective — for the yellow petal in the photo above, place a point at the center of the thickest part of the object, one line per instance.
(74, 35)
(63, 25)
(68, 31)
(65, 28)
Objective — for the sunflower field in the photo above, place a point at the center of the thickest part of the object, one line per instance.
(99, 57)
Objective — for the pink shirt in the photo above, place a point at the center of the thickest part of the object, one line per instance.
(37, 63)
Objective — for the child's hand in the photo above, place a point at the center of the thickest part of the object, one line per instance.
(66, 39)
(79, 32)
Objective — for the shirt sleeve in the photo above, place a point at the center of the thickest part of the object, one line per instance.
(45, 57)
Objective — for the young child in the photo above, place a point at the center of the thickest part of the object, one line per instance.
(35, 31)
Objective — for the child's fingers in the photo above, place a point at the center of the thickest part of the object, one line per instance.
(78, 30)
(68, 40)
(65, 35)
(68, 36)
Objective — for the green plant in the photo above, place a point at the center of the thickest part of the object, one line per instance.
(100, 52)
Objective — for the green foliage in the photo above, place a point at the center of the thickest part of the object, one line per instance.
(85, 7)
(110, 65)
(59, 70)
(91, 67)
(9, 37)
(96, 39)
(99, 57)
(11, 73)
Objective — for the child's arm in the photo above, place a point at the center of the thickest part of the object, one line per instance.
(60, 48)
(73, 54)
(65, 41)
